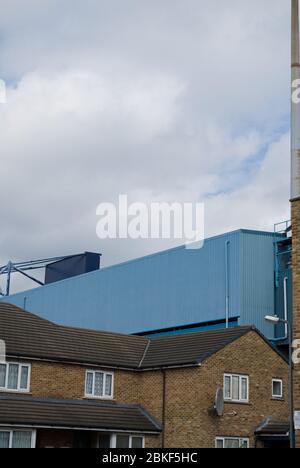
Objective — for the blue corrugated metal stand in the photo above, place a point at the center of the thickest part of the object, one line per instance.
(231, 277)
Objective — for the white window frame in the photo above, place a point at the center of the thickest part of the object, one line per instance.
(113, 439)
(281, 385)
(240, 439)
(19, 389)
(11, 432)
(92, 395)
(240, 377)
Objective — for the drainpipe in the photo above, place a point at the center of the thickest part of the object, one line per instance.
(164, 399)
(227, 294)
(286, 317)
(286, 314)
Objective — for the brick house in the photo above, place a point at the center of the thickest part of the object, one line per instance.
(67, 387)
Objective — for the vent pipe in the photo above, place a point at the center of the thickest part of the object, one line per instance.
(295, 123)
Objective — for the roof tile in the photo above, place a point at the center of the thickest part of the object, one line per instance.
(40, 412)
(29, 336)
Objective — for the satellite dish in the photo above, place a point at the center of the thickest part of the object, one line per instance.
(219, 402)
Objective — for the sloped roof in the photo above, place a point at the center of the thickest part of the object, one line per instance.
(41, 412)
(29, 336)
(273, 427)
(191, 348)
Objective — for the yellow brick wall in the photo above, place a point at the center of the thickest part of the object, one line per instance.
(57, 380)
(68, 382)
(296, 299)
(151, 393)
(151, 397)
(190, 393)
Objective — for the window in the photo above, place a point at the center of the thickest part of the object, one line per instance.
(99, 384)
(232, 443)
(17, 439)
(4, 440)
(123, 441)
(14, 377)
(236, 388)
(277, 388)
(137, 442)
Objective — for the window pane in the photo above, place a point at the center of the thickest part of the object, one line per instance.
(235, 388)
(108, 385)
(232, 443)
(277, 389)
(244, 389)
(220, 444)
(2, 375)
(24, 378)
(244, 444)
(137, 442)
(227, 389)
(104, 441)
(89, 384)
(122, 441)
(4, 440)
(98, 386)
(21, 439)
(13, 373)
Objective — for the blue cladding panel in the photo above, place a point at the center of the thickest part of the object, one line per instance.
(233, 323)
(258, 287)
(170, 289)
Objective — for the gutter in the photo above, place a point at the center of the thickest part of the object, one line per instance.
(86, 429)
(104, 366)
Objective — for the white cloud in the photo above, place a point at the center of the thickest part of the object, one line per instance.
(262, 201)
(161, 100)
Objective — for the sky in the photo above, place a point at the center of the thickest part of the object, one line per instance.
(162, 100)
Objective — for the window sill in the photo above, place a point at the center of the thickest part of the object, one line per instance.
(98, 398)
(242, 403)
(15, 392)
(277, 399)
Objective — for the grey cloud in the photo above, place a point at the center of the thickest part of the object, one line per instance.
(162, 99)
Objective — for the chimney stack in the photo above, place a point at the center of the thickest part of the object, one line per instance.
(295, 194)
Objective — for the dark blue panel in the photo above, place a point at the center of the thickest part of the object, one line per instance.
(72, 266)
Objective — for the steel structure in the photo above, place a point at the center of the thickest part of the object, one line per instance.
(24, 267)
